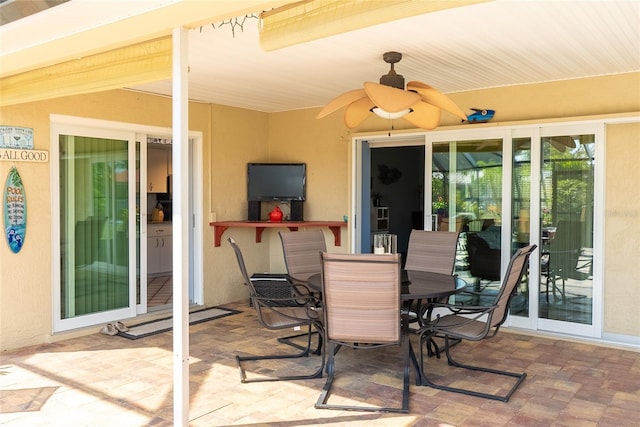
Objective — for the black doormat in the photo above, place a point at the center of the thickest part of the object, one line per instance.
(163, 325)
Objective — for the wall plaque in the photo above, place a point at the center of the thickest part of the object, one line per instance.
(15, 210)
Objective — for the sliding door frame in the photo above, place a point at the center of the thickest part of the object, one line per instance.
(507, 133)
(61, 124)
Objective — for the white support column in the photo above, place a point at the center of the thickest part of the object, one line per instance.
(180, 155)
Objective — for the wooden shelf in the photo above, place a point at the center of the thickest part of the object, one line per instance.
(220, 227)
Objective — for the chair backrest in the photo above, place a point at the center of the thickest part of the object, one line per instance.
(301, 251)
(243, 268)
(565, 248)
(361, 298)
(517, 267)
(432, 251)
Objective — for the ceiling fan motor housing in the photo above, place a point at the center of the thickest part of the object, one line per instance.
(392, 78)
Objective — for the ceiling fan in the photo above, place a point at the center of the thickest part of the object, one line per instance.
(420, 104)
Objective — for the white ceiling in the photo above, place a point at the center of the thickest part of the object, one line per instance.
(487, 45)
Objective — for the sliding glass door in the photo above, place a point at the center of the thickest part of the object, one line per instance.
(467, 197)
(503, 189)
(567, 225)
(99, 228)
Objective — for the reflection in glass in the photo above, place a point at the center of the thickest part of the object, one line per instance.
(566, 240)
(467, 197)
(94, 234)
(520, 221)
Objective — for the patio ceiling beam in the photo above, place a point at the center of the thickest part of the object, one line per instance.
(136, 64)
(80, 28)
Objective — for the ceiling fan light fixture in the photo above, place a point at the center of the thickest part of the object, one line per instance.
(419, 103)
(387, 115)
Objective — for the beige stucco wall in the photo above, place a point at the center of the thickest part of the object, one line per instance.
(233, 137)
(25, 278)
(622, 227)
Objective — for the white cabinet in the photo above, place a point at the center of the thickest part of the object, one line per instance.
(158, 168)
(159, 249)
(380, 219)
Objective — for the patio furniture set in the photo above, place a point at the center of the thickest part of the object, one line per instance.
(368, 301)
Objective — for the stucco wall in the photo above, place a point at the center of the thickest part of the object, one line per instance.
(622, 228)
(238, 136)
(233, 137)
(25, 278)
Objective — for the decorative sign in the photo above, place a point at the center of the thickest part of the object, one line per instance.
(16, 145)
(7, 154)
(15, 210)
(16, 137)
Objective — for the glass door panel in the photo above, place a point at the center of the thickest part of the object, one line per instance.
(94, 226)
(566, 240)
(466, 196)
(520, 216)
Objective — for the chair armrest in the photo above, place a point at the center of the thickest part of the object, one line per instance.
(464, 309)
(458, 310)
(478, 311)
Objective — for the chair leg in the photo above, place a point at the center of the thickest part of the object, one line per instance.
(326, 389)
(288, 340)
(304, 353)
(504, 398)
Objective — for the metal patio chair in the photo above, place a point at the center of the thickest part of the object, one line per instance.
(432, 251)
(281, 312)
(361, 301)
(476, 323)
(301, 250)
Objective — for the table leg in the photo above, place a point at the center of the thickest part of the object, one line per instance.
(416, 365)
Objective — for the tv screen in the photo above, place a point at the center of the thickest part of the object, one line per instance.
(276, 181)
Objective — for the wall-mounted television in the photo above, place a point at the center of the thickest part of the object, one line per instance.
(276, 181)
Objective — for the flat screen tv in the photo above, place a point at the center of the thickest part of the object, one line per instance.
(276, 181)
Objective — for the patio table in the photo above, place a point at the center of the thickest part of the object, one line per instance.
(416, 286)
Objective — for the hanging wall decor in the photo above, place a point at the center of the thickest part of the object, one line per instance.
(16, 137)
(16, 145)
(15, 210)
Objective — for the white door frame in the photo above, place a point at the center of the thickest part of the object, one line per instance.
(62, 124)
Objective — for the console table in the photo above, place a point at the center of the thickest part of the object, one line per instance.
(220, 227)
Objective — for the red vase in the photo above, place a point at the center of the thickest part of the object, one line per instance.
(276, 214)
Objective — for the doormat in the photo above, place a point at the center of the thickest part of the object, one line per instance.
(163, 325)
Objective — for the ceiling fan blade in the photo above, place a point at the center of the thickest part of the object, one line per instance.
(357, 112)
(340, 101)
(567, 141)
(390, 99)
(557, 145)
(425, 116)
(434, 97)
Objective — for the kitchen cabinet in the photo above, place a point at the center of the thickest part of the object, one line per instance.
(159, 248)
(158, 168)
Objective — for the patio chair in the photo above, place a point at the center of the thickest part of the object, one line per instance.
(301, 251)
(476, 323)
(281, 312)
(560, 262)
(361, 301)
(432, 251)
